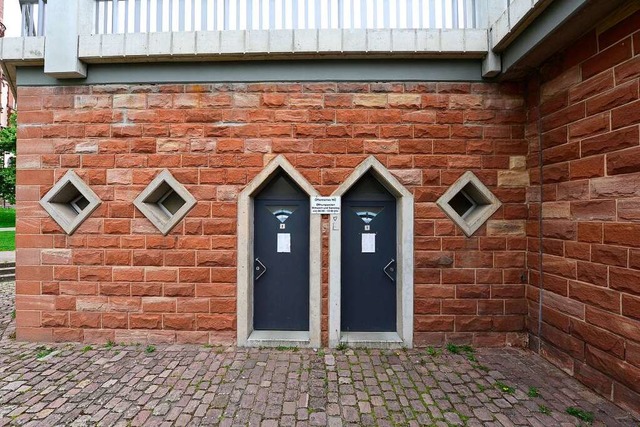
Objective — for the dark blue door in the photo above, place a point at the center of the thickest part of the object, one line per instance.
(368, 292)
(281, 257)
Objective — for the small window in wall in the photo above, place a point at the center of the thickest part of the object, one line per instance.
(164, 202)
(469, 203)
(70, 202)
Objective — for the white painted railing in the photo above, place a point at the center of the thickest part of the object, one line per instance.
(33, 17)
(133, 16)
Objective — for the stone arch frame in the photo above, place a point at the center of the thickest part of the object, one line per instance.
(403, 337)
(246, 336)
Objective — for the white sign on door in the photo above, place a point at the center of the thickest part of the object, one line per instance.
(284, 242)
(325, 205)
(368, 243)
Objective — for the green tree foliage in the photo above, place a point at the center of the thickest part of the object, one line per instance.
(8, 174)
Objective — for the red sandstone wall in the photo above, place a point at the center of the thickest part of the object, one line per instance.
(589, 121)
(117, 278)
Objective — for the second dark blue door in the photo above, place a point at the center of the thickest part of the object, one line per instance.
(368, 291)
(281, 257)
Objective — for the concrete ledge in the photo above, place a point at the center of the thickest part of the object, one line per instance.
(372, 339)
(159, 47)
(279, 339)
(25, 51)
(202, 46)
(517, 16)
(22, 49)
(163, 46)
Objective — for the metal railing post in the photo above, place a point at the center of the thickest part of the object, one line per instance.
(203, 13)
(272, 15)
(181, 15)
(114, 16)
(454, 14)
(30, 23)
(317, 14)
(237, 14)
(42, 11)
(387, 13)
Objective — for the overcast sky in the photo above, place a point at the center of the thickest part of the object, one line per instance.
(12, 18)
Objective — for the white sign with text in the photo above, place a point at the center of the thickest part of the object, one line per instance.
(321, 205)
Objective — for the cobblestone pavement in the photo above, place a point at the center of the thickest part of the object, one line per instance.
(73, 384)
(7, 326)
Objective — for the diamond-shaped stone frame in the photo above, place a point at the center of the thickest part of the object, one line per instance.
(148, 202)
(59, 202)
(486, 203)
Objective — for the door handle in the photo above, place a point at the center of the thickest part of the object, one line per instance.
(387, 268)
(260, 269)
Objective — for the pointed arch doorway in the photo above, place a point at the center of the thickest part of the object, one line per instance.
(278, 282)
(371, 261)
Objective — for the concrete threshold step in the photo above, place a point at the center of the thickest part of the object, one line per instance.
(7, 271)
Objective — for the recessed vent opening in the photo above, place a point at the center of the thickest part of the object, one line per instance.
(80, 203)
(166, 199)
(469, 203)
(462, 203)
(70, 202)
(171, 202)
(165, 202)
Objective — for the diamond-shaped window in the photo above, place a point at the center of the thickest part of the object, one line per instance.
(164, 202)
(70, 201)
(469, 203)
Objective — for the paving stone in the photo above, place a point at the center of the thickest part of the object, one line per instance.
(318, 419)
(453, 419)
(192, 385)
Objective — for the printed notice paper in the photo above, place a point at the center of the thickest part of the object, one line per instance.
(368, 243)
(284, 242)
